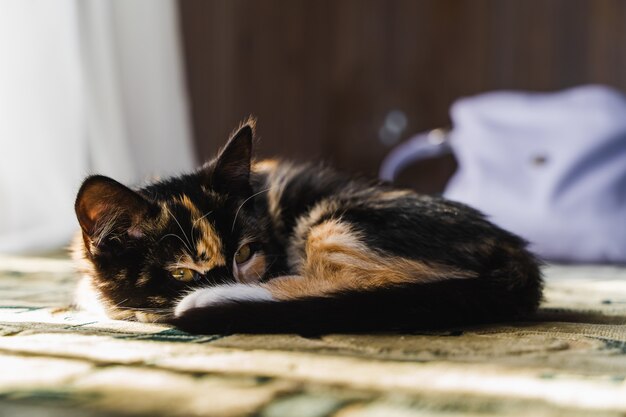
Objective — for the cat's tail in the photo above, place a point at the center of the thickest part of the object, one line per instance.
(447, 303)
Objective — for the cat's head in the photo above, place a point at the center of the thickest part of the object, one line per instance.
(143, 250)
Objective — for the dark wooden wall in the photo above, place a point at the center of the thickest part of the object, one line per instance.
(321, 75)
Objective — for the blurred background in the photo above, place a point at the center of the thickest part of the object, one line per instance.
(146, 88)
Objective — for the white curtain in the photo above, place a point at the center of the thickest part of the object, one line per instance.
(86, 86)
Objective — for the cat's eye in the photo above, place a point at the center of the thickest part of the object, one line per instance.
(243, 254)
(183, 274)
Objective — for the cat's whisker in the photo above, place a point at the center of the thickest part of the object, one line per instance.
(193, 225)
(192, 234)
(203, 216)
(177, 262)
(145, 309)
(179, 238)
(154, 310)
(244, 202)
(180, 227)
(120, 303)
(105, 229)
(269, 267)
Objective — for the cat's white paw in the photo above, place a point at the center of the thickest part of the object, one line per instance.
(222, 294)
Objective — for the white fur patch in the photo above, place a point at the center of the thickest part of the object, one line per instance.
(86, 298)
(222, 294)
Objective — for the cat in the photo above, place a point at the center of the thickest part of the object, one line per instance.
(269, 246)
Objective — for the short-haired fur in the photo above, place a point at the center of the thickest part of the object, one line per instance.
(324, 251)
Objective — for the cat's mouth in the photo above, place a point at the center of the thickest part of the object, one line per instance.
(146, 317)
(89, 299)
(143, 315)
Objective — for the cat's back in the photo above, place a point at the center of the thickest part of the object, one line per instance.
(291, 190)
(403, 227)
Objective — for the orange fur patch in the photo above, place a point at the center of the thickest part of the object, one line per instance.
(336, 259)
(265, 166)
(209, 242)
(392, 195)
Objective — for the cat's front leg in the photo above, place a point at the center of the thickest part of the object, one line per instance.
(273, 290)
(222, 294)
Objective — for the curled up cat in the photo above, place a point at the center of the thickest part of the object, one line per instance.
(267, 246)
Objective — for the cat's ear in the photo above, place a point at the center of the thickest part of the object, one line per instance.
(231, 172)
(104, 206)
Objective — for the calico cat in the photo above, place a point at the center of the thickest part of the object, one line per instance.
(269, 246)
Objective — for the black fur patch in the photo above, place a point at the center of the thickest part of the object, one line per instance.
(264, 207)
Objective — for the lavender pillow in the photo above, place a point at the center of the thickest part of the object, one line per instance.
(548, 166)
